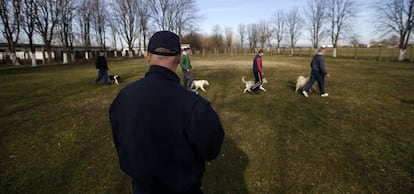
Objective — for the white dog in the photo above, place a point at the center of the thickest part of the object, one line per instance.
(199, 84)
(249, 84)
(301, 82)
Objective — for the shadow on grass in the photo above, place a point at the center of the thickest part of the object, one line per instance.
(226, 173)
(291, 85)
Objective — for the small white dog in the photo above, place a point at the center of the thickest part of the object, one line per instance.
(199, 84)
(301, 82)
(249, 84)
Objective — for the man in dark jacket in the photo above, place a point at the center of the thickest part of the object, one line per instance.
(164, 133)
(102, 67)
(318, 73)
(257, 71)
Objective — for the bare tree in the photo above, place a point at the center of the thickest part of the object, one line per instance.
(99, 15)
(185, 17)
(294, 24)
(252, 35)
(173, 15)
(315, 13)
(47, 19)
(279, 30)
(242, 32)
(65, 28)
(30, 9)
(264, 33)
(143, 21)
(396, 16)
(84, 20)
(229, 36)
(127, 14)
(340, 13)
(158, 9)
(217, 37)
(354, 40)
(10, 12)
(114, 33)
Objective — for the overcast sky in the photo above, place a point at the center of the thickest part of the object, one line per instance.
(231, 13)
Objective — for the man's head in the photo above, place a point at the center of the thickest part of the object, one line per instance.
(187, 50)
(322, 49)
(164, 49)
(261, 52)
(101, 53)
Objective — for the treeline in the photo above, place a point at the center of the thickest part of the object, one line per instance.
(129, 23)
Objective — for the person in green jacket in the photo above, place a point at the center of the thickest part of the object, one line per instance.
(186, 67)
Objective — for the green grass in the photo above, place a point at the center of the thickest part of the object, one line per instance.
(55, 135)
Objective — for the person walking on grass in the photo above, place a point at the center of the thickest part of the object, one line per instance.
(164, 133)
(102, 67)
(185, 64)
(257, 72)
(318, 73)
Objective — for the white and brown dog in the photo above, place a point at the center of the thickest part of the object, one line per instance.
(199, 84)
(249, 84)
(301, 82)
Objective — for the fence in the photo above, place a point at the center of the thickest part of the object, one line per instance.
(374, 53)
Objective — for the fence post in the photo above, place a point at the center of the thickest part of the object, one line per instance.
(380, 52)
(356, 53)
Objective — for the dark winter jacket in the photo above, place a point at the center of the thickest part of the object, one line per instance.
(164, 133)
(318, 64)
(101, 63)
(257, 64)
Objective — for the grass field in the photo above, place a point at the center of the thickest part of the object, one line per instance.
(55, 135)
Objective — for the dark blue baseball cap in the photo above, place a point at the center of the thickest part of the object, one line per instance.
(164, 43)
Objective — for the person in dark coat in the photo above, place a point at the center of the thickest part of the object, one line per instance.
(318, 73)
(164, 133)
(102, 67)
(257, 71)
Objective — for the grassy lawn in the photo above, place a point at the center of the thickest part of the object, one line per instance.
(55, 135)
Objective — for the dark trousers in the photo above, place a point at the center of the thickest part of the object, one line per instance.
(258, 79)
(188, 79)
(318, 77)
(102, 74)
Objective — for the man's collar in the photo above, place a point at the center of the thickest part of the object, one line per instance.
(164, 72)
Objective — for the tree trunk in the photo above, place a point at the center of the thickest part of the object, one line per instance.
(401, 54)
(334, 52)
(65, 58)
(33, 57)
(49, 56)
(14, 59)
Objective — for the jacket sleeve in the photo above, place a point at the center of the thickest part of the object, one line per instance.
(321, 62)
(259, 64)
(97, 63)
(106, 65)
(205, 131)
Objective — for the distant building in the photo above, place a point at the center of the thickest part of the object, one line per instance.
(23, 52)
